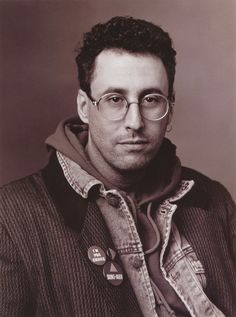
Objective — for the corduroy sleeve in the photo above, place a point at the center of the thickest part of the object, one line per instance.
(15, 295)
(231, 207)
(226, 210)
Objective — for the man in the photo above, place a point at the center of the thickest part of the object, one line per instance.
(114, 226)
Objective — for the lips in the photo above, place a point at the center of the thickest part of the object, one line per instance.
(133, 145)
(133, 141)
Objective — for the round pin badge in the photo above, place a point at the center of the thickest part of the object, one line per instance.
(96, 255)
(113, 273)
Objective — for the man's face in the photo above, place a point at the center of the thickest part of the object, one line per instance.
(130, 143)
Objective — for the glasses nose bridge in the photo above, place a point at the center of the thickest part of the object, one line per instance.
(133, 117)
(132, 102)
(128, 104)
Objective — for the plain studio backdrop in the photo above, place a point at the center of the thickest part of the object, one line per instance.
(38, 77)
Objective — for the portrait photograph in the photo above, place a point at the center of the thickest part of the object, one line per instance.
(117, 158)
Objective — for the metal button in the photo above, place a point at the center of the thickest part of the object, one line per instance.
(137, 262)
(111, 253)
(113, 200)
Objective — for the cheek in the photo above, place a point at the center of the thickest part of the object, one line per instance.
(95, 122)
(156, 131)
(101, 131)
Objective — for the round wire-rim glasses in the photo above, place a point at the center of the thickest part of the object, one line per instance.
(114, 106)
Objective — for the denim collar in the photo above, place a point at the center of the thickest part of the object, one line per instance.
(83, 183)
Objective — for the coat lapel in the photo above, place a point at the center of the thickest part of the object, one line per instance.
(121, 298)
(84, 217)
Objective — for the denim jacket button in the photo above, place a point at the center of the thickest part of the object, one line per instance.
(113, 200)
(137, 262)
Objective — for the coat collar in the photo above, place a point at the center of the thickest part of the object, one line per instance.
(82, 215)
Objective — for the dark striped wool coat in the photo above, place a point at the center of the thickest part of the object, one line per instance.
(46, 230)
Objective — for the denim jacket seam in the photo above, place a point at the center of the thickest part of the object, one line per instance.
(135, 239)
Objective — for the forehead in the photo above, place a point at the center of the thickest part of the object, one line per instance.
(128, 71)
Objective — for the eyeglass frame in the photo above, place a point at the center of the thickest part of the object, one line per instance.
(168, 101)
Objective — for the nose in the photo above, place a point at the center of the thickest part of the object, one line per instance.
(133, 118)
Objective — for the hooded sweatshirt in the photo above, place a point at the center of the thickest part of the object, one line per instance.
(161, 179)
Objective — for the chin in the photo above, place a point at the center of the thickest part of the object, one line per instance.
(133, 164)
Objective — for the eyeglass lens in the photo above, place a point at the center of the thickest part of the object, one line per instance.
(114, 106)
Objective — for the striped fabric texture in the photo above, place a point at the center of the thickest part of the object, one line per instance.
(46, 230)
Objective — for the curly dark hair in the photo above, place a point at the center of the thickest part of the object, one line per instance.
(129, 34)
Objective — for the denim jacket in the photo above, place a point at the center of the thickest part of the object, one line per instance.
(178, 262)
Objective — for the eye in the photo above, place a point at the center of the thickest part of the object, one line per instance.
(115, 99)
(150, 99)
(153, 100)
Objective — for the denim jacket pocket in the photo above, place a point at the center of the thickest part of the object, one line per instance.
(181, 251)
(196, 265)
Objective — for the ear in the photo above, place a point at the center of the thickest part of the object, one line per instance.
(170, 114)
(82, 105)
(171, 107)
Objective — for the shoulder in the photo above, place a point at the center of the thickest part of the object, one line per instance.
(21, 185)
(189, 173)
(29, 186)
(22, 197)
(40, 199)
(26, 186)
(202, 181)
(207, 191)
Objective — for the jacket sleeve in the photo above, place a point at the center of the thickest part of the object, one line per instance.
(15, 294)
(228, 213)
(232, 225)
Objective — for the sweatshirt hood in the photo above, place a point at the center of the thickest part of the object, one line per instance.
(162, 176)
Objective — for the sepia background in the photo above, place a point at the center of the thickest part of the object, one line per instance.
(38, 80)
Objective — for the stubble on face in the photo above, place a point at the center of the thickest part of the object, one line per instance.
(109, 145)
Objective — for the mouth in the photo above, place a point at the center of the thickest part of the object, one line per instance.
(133, 141)
(133, 144)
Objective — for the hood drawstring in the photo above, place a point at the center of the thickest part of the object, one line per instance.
(164, 307)
(154, 226)
(134, 208)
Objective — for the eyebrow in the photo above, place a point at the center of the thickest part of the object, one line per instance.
(142, 93)
(115, 89)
